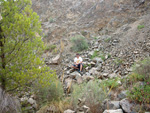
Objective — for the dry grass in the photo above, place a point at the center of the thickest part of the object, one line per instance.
(56, 106)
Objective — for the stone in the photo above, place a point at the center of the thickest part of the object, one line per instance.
(31, 101)
(97, 60)
(116, 104)
(92, 64)
(94, 71)
(88, 78)
(107, 104)
(122, 95)
(79, 79)
(113, 75)
(126, 106)
(113, 111)
(56, 60)
(74, 74)
(69, 111)
(105, 74)
(68, 83)
(85, 109)
(99, 67)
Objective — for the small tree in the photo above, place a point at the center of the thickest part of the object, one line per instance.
(20, 46)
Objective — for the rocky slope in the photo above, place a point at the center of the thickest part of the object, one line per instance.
(121, 28)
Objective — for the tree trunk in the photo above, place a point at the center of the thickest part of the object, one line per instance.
(3, 85)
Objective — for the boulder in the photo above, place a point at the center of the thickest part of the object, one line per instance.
(56, 60)
(126, 106)
(116, 104)
(122, 95)
(74, 74)
(113, 111)
(79, 79)
(88, 78)
(69, 111)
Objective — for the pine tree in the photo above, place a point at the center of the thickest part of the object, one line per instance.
(21, 46)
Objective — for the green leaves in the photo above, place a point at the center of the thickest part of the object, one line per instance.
(22, 44)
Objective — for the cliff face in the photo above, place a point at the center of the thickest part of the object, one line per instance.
(65, 16)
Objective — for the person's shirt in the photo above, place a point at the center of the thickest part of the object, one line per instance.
(78, 60)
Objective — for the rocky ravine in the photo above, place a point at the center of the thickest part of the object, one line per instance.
(118, 40)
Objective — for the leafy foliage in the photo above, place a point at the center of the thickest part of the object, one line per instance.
(79, 43)
(140, 79)
(21, 46)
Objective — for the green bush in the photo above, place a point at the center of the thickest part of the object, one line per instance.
(93, 94)
(49, 93)
(140, 26)
(111, 83)
(79, 43)
(140, 80)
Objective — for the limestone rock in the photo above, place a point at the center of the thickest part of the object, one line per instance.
(56, 60)
(113, 111)
(125, 105)
(69, 111)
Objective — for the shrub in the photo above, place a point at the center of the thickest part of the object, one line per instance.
(49, 93)
(93, 94)
(140, 79)
(50, 47)
(111, 83)
(140, 26)
(79, 43)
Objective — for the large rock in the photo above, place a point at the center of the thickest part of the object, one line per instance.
(107, 104)
(74, 74)
(126, 106)
(68, 84)
(113, 111)
(79, 79)
(88, 78)
(56, 60)
(69, 111)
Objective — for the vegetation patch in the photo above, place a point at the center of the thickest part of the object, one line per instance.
(91, 93)
(95, 54)
(79, 43)
(118, 61)
(140, 27)
(50, 48)
(140, 82)
(49, 93)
